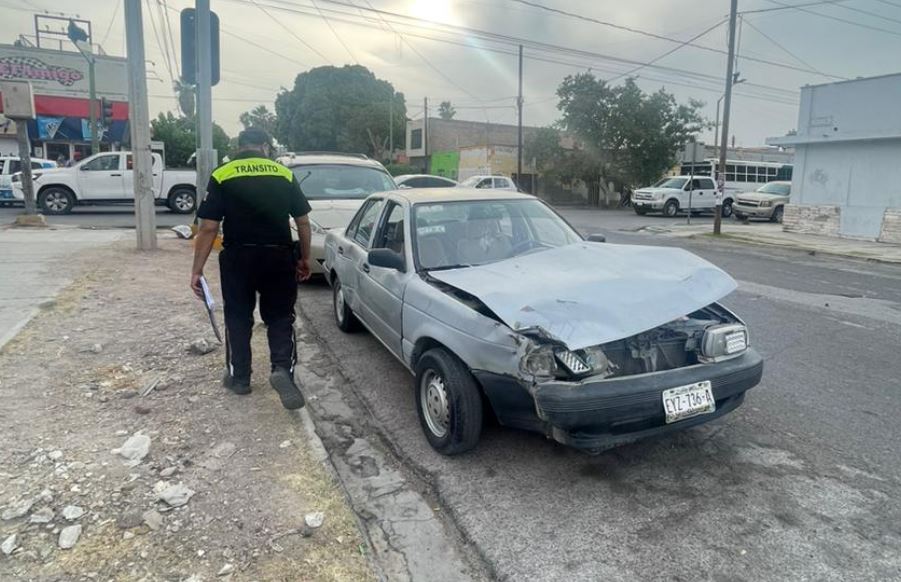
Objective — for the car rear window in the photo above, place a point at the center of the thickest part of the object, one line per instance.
(341, 181)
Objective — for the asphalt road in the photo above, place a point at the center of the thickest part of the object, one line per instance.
(111, 216)
(801, 483)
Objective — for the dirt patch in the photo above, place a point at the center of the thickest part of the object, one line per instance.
(109, 358)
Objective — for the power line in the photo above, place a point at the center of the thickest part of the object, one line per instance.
(887, 2)
(658, 36)
(790, 6)
(778, 44)
(163, 52)
(291, 32)
(868, 13)
(332, 28)
(109, 26)
(669, 52)
(168, 37)
(839, 19)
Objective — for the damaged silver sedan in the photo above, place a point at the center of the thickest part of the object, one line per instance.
(497, 305)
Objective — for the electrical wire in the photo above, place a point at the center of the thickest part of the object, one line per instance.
(652, 35)
(164, 53)
(789, 6)
(778, 44)
(291, 32)
(168, 39)
(332, 28)
(109, 26)
(888, 3)
(839, 19)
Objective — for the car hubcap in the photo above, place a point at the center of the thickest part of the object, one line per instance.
(56, 201)
(184, 202)
(339, 304)
(435, 408)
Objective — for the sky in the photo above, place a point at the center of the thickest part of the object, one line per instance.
(266, 43)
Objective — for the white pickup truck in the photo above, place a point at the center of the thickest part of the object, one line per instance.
(107, 178)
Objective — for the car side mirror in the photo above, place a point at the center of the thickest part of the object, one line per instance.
(596, 238)
(386, 258)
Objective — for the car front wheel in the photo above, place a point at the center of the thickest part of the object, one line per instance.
(726, 212)
(56, 201)
(640, 211)
(344, 317)
(449, 402)
(182, 201)
(777, 214)
(671, 208)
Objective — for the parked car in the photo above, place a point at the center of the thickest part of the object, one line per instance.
(423, 181)
(671, 196)
(108, 178)
(335, 185)
(767, 202)
(492, 300)
(493, 182)
(9, 165)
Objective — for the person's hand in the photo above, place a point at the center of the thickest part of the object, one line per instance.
(196, 286)
(303, 270)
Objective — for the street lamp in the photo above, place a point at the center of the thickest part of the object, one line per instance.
(81, 41)
(716, 130)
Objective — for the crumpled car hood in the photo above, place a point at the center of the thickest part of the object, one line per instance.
(334, 213)
(586, 294)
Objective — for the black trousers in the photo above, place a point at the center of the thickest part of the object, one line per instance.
(270, 272)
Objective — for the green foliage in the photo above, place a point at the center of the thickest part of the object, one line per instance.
(632, 136)
(446, 110)
(259, 117)
(180, 136)
(344, 109)
(401, 169)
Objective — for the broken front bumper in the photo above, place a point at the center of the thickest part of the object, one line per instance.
(598, 413)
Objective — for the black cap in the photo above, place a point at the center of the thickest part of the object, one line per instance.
(253, 137)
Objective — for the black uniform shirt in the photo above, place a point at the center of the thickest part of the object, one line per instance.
(256, 198)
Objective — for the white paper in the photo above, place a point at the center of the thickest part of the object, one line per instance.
(207, 296)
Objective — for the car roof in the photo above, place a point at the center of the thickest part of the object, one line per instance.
(408, 176)
(784, 182)
(308, 158)
(430, 195)
(487, 176)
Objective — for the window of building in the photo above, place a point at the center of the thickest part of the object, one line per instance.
(416, 139)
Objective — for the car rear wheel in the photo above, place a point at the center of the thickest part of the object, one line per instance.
(56, 201)
(182, 201)
(671, 208)
(449, 402)
(344, 316)
(777, 214)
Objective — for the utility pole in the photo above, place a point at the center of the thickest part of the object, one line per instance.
(139, 122)
(727, 106)
(425, 131)
(83, 42)
(519, 125)
(25, 164)
(206, 155)
(391, 130)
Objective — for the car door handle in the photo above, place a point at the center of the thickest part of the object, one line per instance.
(340, 250)
(365, 267)
(115, 175)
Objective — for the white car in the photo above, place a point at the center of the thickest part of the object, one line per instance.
(10, 165)
(673, 195)
(493, 182)
(107, 178)
(335, 185)
(423, 181)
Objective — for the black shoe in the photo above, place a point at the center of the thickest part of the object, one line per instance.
(283, 382)
(236, 385)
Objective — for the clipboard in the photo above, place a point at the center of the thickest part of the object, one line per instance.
(209, 303)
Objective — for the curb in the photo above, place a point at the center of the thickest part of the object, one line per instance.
(803, 249)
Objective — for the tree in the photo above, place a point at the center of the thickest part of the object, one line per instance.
(180, 136)
(634, 135)
(185, 94)
(259, 117)
(343, 109)
(446, 110)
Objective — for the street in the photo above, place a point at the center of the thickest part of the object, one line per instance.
(110, 216)
(800, 483)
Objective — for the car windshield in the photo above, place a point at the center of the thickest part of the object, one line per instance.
(468, 233)
(674, 183)
(341, 181)
(470, 182)
(775, 188)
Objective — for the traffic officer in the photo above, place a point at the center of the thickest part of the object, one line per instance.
(255, 198)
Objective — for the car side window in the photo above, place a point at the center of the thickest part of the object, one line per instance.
(485, 183)
(14, 166)
(391, 234)
(500, 183)
(102, 164)
(707, 184)
(355, 221)
(367, 223)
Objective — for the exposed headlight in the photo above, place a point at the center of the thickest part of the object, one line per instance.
(722, 342)
(539, 362)
(766, 203)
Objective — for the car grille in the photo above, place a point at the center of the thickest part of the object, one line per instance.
(642, 196)
(748, 202)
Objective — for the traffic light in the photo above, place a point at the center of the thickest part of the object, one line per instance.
(106, 112)
(189, 47)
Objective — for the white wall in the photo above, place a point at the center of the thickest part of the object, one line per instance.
(862, 177)
(851, 109)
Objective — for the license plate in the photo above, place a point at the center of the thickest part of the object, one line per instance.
(640, 203)
(687, 401)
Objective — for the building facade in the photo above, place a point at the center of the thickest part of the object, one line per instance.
(847, 175)
(60, 84)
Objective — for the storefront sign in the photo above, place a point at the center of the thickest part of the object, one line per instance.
(48, 126)
(63, 73)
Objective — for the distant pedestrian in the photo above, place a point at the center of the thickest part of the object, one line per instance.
(61, 161)
(255, 198)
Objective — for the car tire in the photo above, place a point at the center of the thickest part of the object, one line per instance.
(448, 402)
(344, 316)
(778, 213)
(182, 201)
(56, 200)
(726, 212)
(671, 208)
(640, 211)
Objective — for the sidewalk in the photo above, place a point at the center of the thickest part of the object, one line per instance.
(767, 234)
(123, 458)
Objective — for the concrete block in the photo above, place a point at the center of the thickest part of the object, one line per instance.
(891, 226)
(812, 219)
